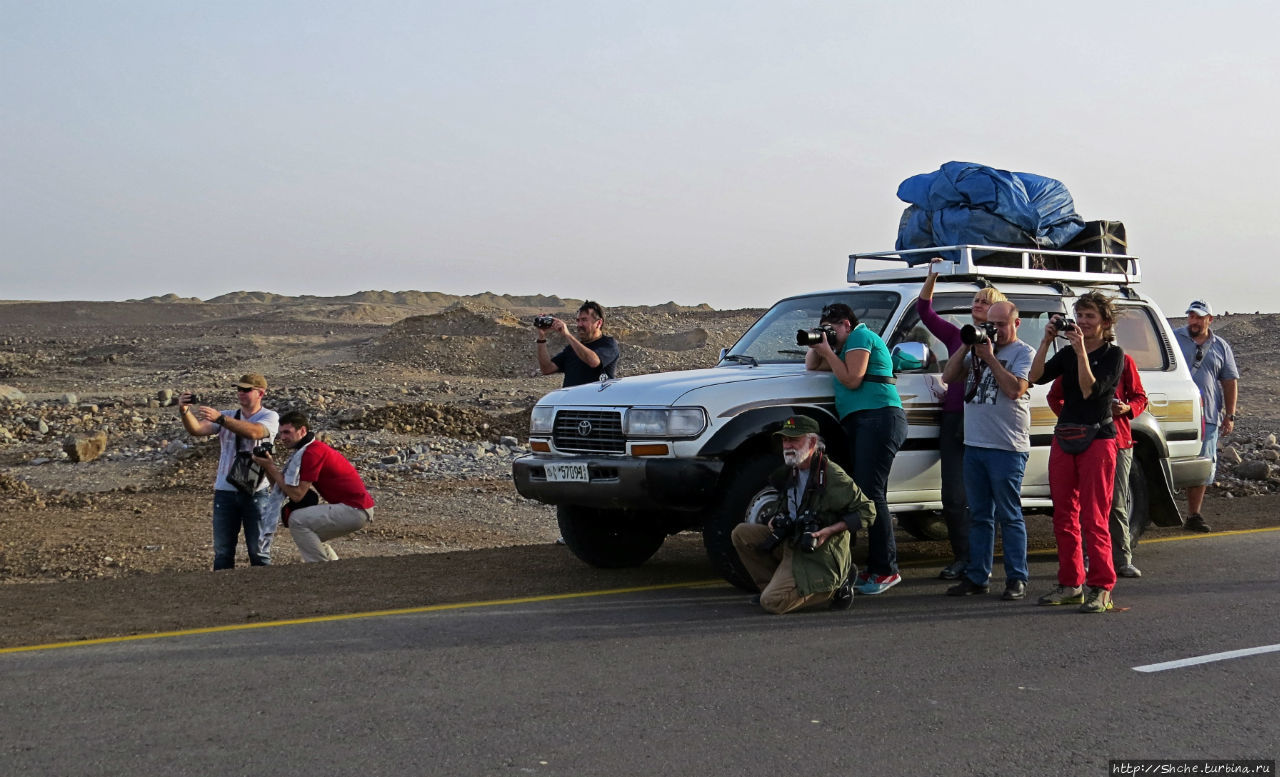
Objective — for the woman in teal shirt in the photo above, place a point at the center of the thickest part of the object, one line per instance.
(871, 413)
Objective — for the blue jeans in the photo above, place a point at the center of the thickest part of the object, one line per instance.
(231, 511)
(874, 439)
(993, 483)
(1209, 450)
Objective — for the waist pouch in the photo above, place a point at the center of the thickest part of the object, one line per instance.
(1075, 438)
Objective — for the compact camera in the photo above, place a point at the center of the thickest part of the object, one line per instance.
(195, 400)
(263, 451)
(1063, 324)
(815, 336)
(543, 322)
(973, 335)
(802, 527)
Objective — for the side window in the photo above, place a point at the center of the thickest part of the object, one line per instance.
(1137, 334)
(913, 331)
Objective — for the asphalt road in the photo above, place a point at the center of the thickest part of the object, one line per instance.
(685, 680)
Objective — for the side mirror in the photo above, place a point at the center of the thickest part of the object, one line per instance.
(723, 353)
(910, 357)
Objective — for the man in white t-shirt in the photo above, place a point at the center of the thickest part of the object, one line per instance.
(997, 442)
(238, 501)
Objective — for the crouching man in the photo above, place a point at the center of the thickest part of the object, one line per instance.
(801, 559)
(313, 464)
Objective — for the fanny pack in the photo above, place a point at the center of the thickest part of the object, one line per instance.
(1076, 438)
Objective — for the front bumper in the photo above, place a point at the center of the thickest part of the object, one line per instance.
(1190, 472)
(622, 482)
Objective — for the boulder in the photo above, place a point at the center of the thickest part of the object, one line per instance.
(1230, 456)
(85, 447)
(1253, 470)
(11, 394)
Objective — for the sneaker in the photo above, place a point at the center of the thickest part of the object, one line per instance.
(1014, 590)
(878, 584)
(1196, 523)
(1063, 594)
(1128, 570)
(1099, 600)
(967, 587)
(953, 571)
(842, 599)
(861, 579)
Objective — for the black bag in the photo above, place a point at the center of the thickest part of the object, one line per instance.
(245, 474)
(1075, 438)
(1101, 237)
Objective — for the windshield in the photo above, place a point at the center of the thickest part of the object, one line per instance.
(772, 339)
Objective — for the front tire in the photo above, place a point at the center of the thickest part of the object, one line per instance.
(610, 539)
(747, 498)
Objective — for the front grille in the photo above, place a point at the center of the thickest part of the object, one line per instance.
(589, 431)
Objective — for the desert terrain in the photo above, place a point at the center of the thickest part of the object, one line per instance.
(428, 394)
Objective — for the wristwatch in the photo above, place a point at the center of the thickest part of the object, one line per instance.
(221, 420)
(1231, 416)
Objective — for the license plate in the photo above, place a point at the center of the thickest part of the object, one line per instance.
(567, 473)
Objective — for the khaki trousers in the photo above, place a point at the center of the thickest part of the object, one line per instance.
(313, 527)
(771, 571)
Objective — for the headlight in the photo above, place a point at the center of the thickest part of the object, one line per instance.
(665, 422)
(541, 420)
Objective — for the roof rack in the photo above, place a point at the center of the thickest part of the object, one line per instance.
(999, 262)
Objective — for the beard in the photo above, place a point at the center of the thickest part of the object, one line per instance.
(791, 457)
(1195, 330)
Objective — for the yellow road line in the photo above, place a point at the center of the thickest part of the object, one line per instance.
(355, 615)
(495, 603)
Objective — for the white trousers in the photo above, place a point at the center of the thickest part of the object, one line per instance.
(313, 527)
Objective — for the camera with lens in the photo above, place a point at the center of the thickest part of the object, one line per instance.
(802, 527)
(974, 335)
(543, 322)
(1063, 324)
(815, 336)
(195, 400)
(262, 451)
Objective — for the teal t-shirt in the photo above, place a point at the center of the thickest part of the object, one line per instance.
(868, 396)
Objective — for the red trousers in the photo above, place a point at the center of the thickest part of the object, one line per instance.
(1080, 486)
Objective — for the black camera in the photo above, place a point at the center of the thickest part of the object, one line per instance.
(263, 450)
(543, 322)
(973, 335)
(815, 336)
(802, 527)
(1063, 324)
(195, 400)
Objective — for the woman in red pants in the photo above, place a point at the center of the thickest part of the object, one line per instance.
(1082, 461)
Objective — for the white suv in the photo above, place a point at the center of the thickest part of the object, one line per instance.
(630, 461)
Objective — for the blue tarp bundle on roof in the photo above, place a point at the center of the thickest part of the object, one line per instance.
(965, 203)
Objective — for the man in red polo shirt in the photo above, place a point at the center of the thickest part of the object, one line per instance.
(313, 464)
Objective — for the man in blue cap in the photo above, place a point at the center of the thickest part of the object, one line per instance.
(1213, 367)
(801, 558)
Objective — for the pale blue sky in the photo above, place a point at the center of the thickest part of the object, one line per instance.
(721, 152)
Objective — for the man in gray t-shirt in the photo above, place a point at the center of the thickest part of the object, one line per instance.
(997, 442)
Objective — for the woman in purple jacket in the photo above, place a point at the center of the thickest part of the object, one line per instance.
(951, 432)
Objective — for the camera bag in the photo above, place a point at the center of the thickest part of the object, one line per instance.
(245, 474)
(1075, 439)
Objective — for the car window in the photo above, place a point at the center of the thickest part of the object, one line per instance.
(1034, 312)
(772, 339)
(1139, 336)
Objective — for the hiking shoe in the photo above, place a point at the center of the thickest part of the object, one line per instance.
(1128, 570)
(954, 570)
(1099, 600)
(1196, 523)
(967, 587)
(878, 584)
(842, 599)
(1063, 594)
(1014, 590)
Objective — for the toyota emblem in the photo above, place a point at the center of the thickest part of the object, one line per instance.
(584, 428)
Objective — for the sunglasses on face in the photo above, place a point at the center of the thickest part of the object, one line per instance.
(242, 388)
